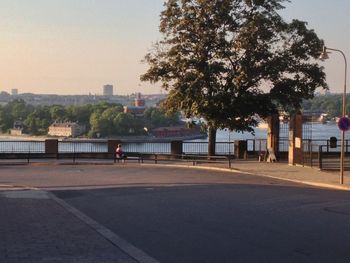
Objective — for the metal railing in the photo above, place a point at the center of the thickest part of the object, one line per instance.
(329, 158)
(221, 148)
(147, 147)
(82, 146)
(315, 152)
(22, 147)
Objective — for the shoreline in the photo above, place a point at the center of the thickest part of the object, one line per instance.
(8, 137)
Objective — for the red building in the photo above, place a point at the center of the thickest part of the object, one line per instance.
(176, 131)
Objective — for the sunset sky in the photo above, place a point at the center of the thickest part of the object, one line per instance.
(77, 46)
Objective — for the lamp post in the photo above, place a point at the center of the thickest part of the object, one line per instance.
(324, 56)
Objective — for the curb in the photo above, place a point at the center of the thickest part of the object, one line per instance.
(310, 183)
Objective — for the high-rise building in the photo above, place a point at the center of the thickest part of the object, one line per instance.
(14, 91)
(108, 90)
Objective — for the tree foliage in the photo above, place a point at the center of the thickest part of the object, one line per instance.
(228, 60)
(155, 117)
(329, 103)
(102, 119)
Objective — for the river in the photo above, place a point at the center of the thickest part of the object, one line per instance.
(313, 131)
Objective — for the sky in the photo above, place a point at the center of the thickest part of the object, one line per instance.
(76, 46)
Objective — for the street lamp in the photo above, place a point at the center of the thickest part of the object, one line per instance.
(324, 56)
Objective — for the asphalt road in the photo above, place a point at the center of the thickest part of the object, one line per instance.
(180, 215)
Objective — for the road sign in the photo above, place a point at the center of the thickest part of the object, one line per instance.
(344, 124)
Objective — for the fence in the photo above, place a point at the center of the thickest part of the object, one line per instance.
(316, 153)
(22, 147)
(82, 146)
(222, 148)
(329, 158)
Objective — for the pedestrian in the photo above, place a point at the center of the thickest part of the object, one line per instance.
(119, 153)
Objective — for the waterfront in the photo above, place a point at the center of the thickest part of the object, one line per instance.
(318, 133)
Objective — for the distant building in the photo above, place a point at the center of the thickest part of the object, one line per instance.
(18, 124)
(108, 90)
(16, 132)
(139, 102)
(17, 128)
(66, 129)
(175, 131)
(14, 92)
(137, 111)
(4, 94)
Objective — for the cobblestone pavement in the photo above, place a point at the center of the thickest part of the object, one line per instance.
(35, 228)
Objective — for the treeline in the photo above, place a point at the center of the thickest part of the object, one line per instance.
(101, 120)
(329, 103)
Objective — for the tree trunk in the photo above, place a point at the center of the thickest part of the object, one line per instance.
(211, 141)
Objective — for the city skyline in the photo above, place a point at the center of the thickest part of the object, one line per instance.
(76, 47)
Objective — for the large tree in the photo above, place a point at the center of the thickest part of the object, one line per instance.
(228, 60)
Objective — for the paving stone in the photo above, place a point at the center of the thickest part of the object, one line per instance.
(34, 228)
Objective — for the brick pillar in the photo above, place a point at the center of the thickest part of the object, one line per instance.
(273, 133)
(240, 149)
(295, 151)
(176, 147)
(51, 146)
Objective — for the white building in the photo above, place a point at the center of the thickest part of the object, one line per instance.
(66, 129)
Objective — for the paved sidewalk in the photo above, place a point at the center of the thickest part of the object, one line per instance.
(280, 170)
(305, 175)
(35, 228)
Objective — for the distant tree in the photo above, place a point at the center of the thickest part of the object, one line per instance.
(6, 121)
(97, 127)
(107, 117)
(102, 106)
(228, 60)
(80, 114)
(31, 124)
(38, 121)
(58, 113)
(18, 110)
(127, 124)
(155, 117)
(329, 103)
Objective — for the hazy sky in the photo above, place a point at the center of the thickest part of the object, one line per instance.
(77, 46)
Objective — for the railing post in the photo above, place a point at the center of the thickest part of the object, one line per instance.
(51, 147)
(240, 149)
(310, 150)
(320, 157)
(176, 148)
